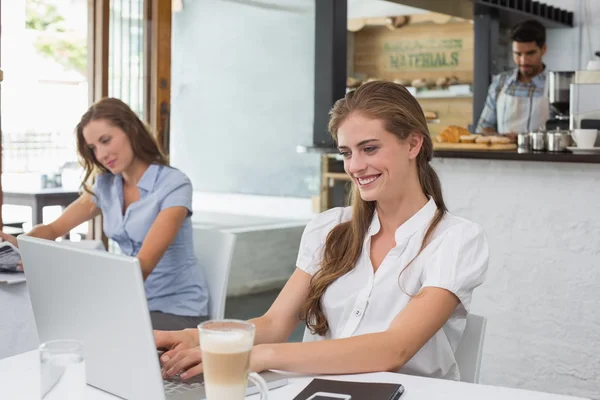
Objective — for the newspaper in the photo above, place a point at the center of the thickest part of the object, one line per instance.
(10, 258)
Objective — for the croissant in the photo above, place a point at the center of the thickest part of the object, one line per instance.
(452, 134)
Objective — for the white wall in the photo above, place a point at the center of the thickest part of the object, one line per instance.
(242, 96)
(541, 294)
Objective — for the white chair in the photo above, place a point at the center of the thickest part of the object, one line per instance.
(214, 251)
(469, 351)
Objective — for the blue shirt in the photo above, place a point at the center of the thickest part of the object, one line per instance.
(177, 284)
(514, 87)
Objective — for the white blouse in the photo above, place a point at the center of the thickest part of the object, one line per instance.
(362, 301)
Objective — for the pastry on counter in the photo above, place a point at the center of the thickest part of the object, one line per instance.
(484, 139)
(492, 139)
(452, 134)
(429, 115)
(468, 138)
(403, 82)
(372, 79)
(446, 81)
(419, 83)
(500, 140)
(442, 82)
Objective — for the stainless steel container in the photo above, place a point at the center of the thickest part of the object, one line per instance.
(558, 140)
(523, 142)
(538, 140)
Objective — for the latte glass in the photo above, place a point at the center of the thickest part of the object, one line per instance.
(226, 347)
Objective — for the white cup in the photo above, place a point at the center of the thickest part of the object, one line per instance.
(593, 65)
(585, 138)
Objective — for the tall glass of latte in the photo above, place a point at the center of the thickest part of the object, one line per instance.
(226, 346)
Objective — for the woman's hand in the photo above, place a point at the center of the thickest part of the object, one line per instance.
(9, 238)
(12, 240)
(180, 345)
(260, 356)
(186, 363)
(175, 341)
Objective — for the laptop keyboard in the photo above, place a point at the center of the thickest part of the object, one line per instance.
(176, 386)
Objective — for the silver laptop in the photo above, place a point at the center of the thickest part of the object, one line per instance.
(85, 244)
(98, 298)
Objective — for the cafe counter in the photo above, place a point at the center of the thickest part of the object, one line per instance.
(540, 214)
(510, 155)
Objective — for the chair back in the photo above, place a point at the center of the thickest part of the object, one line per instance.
(469, 352)
(214, 251)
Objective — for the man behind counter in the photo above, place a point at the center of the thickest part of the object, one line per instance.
(517, 99)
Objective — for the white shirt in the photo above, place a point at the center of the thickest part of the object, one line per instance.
(362, 301)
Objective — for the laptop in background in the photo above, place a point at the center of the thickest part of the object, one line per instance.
(98, 298)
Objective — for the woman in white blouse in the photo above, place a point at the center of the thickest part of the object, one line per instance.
(384, 285)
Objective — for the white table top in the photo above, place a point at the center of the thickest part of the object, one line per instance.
(18, 332)
(19, 380)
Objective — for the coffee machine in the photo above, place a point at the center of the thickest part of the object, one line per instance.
(584, 105)
(559, 87)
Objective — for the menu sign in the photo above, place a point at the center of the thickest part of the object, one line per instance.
(421, 51)
(422, 54)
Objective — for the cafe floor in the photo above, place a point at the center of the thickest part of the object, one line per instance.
(254, 305)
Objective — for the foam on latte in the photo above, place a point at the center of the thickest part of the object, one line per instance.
(234, 341)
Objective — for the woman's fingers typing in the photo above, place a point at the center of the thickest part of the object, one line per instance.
(190, 373)
(170, 358)
(181, 362)
(168, 355)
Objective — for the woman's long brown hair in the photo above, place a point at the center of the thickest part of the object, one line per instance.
(120, 115)
(402, 115)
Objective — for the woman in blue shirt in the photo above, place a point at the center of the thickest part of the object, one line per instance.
(146, 207)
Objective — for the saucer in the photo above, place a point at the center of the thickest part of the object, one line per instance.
(584, 150)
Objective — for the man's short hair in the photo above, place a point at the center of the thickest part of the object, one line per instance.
(529, 31)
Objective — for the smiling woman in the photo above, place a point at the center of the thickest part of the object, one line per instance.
(387, 149)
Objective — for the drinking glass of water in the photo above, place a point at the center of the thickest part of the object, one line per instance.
(62, 370)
